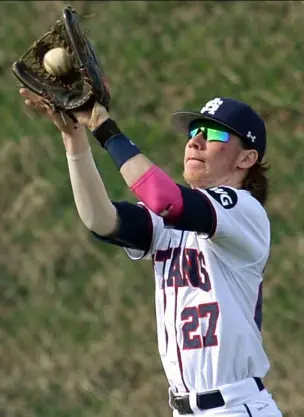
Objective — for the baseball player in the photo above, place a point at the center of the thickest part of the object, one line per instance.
(208, 242)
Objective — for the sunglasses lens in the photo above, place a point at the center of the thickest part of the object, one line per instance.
(195, 131)
(217, 135)
(210, 134)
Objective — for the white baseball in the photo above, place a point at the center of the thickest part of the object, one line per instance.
(57, 62)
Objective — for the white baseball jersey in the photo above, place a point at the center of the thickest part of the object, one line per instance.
(208, 294)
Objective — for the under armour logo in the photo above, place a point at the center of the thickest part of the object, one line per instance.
(251, 137)
(212, 106)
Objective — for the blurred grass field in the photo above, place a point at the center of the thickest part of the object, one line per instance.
(77, 317)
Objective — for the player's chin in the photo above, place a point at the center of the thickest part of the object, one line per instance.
(194, 177)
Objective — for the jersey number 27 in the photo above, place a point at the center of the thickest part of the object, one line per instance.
(192, 316)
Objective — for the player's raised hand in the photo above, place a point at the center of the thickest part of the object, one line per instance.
(89, 118)
(62, 121)
(73, 133)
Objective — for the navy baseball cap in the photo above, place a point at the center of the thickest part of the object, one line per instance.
(235, 115)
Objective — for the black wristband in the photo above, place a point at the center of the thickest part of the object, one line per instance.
(106, 131)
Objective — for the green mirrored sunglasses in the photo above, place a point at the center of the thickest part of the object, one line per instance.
(214, 133)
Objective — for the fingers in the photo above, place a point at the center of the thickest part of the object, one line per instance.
(36, 105)
(24, 92)
(40, 105)
(34, 98)
(36, 102)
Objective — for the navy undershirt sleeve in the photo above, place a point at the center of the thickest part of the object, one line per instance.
(135, 227)
(198, 213)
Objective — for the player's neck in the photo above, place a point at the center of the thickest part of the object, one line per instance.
(229, 182)
(234, 181)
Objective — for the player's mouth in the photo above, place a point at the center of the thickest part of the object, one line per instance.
(192, 159)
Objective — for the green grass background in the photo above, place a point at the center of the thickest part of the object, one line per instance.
(77, 327)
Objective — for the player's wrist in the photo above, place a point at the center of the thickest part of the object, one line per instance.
(105, 131)
(95, 122)
(98, 116)
(75, 142)
(92, 118)
(118, 146)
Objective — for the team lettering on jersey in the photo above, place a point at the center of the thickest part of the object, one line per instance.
(191, 271)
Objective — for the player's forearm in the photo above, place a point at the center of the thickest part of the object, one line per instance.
(149, 183)
(134, 169)
(77, 142)
(93, 205)
(131, 168)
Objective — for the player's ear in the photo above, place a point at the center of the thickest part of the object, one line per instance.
(247, 158)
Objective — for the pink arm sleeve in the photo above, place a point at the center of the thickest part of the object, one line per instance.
(159, 193)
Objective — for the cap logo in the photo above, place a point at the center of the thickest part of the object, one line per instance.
(251, 137)
(212, 106)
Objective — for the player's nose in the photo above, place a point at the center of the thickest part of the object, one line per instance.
(197, 142)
